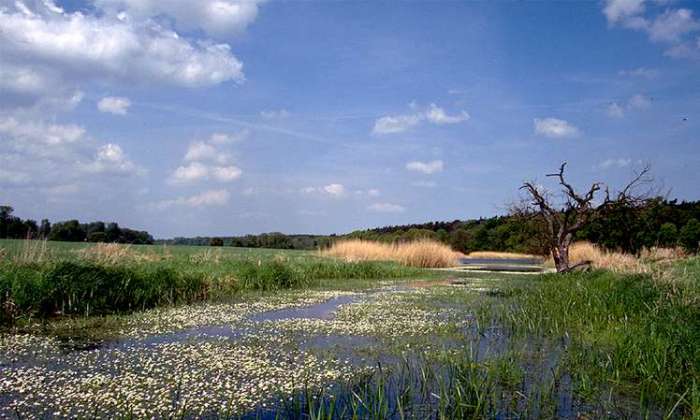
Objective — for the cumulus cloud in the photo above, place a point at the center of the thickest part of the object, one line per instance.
(110, 158)
(386, 208)
(617, 11)
(426, 167)
(114, 105)
(433, 114)
(672, 26)
(555, 128)
(45, 46)
(226, 173)
(205, 199)
(207, 160)
(44, 155)
(215, 17)
(395, 124)
(437, 115)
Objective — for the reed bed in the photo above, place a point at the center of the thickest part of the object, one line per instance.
(600, 258)
(423, 253)
(501, 255)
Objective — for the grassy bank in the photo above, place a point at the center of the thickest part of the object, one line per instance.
(633, 335)
(37, 280)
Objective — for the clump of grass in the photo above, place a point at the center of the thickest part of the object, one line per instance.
(33, 251)
(209, 256)
(423, 253)
(629, 333)
(86, 288)
(112, 253)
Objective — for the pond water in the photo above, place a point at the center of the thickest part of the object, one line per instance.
(264, 360)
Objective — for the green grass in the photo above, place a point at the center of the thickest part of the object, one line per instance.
(634, 335)
(62, 279)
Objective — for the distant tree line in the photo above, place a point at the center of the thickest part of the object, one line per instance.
(661, 223)
(275, 240)
(13, 227)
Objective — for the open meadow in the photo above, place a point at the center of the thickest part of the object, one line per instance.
(151, 331)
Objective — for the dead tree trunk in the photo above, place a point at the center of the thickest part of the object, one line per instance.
(563, 221)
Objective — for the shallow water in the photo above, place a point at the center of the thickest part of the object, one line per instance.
(324, 310)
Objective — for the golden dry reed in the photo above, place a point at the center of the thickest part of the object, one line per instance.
(500, 255)
(619, 262)
(422, 253)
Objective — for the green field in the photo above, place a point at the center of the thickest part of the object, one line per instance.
(228, 332)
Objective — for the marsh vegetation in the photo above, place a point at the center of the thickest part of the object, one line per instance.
(111, 330)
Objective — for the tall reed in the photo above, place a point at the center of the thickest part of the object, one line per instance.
(422, 253)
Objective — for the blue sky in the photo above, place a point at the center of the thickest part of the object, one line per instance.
(227, 117)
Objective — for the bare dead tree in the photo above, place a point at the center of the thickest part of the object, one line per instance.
(575, 210)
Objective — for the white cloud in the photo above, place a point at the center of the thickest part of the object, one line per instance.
(195, 171)
(44, 155)
(39, 132)
(44, 46)
(618, 163)
(391, 124)
(386, 208)
(206, 199)
(619, 10)
(437, 115)
(615, 111)
(110, 158)
(373, 192)
(555, 128)
(226, 173)
(114, 105)
(201, 151)
(215, 17)
(208, 161)
(275, 114)
(426, 167)
(395, 124)
(672, 25)
(639, 102)
(335, 190)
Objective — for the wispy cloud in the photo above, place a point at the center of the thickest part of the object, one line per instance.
(433, 114)
(386, 208)
(205, 199)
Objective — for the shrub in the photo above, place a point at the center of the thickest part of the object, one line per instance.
(690, 235)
